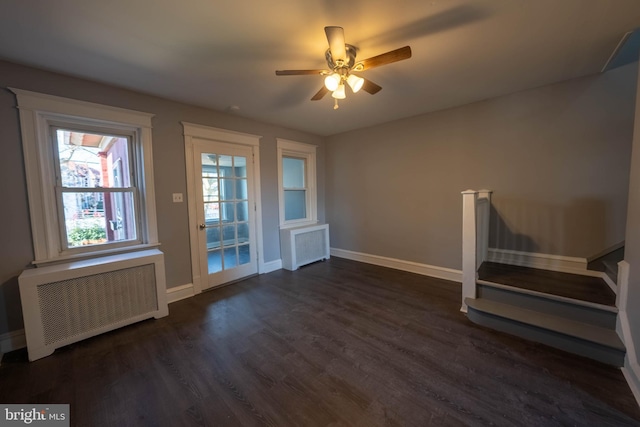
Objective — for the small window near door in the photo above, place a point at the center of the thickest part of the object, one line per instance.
(296, 170)
(294, 188)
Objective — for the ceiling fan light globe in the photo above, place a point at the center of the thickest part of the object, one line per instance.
(332, 82)
(355, 82)
(339, 93)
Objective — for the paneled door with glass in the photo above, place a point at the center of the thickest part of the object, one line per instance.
(225, 212)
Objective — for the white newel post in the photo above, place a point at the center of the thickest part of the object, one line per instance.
(469, 202)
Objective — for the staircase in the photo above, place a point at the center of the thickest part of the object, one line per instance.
(572, 312)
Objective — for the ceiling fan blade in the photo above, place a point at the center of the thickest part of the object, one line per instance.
(321, 93)
(371, 87)
(335, 37)
(299, 72)
(387, 58)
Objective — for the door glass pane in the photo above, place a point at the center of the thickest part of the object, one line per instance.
(244, 254)
(210, 189)
(226, 165)
(215, 261)
(213, 237)
(209, 165)
(240, 164)
(229, 235)
(228, 211)
(243, 232)
(242, 211)
(226, 205)
(212, 212)
(230, 258)
(241, 189)
(226, 189)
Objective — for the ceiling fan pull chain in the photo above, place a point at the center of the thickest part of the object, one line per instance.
(335, 105)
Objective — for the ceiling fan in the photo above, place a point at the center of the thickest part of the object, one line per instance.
(341, 60)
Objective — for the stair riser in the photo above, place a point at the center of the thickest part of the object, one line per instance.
(554, 339)
(580, 313)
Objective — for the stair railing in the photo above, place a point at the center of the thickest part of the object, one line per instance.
(476, 209)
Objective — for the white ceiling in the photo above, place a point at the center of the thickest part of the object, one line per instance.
(224, 53)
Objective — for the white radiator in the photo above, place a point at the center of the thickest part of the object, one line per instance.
(66, 303)
(304, 245)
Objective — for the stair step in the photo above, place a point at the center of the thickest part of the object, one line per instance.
(582, 311)
(599, 343)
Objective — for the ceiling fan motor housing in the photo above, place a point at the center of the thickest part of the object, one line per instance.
(338, 64)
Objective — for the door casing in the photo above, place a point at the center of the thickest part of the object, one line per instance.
(199, 134)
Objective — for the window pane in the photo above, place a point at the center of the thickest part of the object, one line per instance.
(212, 212)
(245, 254)
(88, 160)
(240, 164)
(230, 258)
(293, 172)
(243, 232)
(241, 189)
(242, 211)
(213, 237)
(209, 163)
(98, 218)
(210, 189)
(295, 204)
(229, 235)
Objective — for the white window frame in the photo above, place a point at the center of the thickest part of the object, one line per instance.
(38, 112)
(307, 152)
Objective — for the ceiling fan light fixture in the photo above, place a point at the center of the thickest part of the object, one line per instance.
(355, 82)
(332, 81)
(339, 93)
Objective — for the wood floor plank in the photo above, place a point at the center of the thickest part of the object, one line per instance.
(336, 343)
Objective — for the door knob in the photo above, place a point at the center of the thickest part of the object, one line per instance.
(202, 226)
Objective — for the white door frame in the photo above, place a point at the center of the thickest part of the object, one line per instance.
(192, 131)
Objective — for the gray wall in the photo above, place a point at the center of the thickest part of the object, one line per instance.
(556, 157)
(16, 251)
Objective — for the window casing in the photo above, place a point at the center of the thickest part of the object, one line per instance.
(297, 183)
(89, 177)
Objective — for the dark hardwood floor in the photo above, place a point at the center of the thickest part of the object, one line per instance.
(335, 343)
(584, 288)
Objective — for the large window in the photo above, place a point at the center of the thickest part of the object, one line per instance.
(95, 189)
(296, 168)
(89, 177)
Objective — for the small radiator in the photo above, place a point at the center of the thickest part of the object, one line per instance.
(66, 303)
(304, 245)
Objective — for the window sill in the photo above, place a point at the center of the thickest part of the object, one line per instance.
(297, 224)
(95, 254)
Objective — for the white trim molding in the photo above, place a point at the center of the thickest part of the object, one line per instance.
(201, 132)
(13, 340)
(181, 292)
(631, 368)
(398, 264)
(270, 266)
(38, 113)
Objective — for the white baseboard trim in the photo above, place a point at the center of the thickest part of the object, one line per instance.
(270, 266)
(398, 264)
(181, 292)
(13, 340)
(559, 263)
